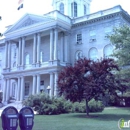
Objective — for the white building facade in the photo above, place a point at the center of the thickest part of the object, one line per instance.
(36, 48)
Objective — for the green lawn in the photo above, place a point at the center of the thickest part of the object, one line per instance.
(107, 120)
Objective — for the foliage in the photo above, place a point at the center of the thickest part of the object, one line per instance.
(43, 104)
(121, 39)
(89, 79)
(1, 97)
(94, 106)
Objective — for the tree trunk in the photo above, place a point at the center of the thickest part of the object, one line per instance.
(87, 108)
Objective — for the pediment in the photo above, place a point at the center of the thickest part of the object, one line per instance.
(26, 21)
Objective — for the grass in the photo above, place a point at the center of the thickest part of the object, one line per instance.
(107, 120)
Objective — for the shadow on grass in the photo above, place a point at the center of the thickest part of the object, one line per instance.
(103, 117)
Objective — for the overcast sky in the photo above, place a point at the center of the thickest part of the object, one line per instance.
(10, 14)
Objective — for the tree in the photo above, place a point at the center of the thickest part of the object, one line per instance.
(121, 41)
(89, 79)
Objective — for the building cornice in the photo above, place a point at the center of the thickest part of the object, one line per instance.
(101, 15)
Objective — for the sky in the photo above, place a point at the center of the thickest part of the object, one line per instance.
(10, 14)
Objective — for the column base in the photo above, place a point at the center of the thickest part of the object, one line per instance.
(54, 62)
(20, 68)
(6, 70)
(33, 65)
(37, 65)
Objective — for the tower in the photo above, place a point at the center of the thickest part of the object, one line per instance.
(72, 8)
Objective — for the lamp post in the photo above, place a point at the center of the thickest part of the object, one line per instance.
(48, 89)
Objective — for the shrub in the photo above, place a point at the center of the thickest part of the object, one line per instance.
(43, 104)
(95, 106)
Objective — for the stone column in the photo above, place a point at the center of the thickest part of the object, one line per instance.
(66, 49)
(18, 89)
(62, 46)
(51, 84)
(9, 54)
(38, 48)
(56, 45)
(34, 85)
(55, 87)
(22, 88)
(38, 83)
(7, 89)
(19, 52)
(34, 48)
(6, 55)
(23, 47)
(51, 44)
(4, 90)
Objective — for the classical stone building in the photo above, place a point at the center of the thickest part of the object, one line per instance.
(36, 47)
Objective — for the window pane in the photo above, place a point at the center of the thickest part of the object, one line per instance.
(74, 9)
(93, 54)
(26, 89)
(27, 59)
(108, 50)
(79, 37)
(85, 10)
(62, 8)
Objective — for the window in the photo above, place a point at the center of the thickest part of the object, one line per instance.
(26, 89)
(62, 8)
(79, 38)
(13, 89)
(74, 9)
(15, 52)
(79, 55)
(14, 64)
(41, 56)
(27, 59)
(93, 54)
(108, 31)
(85, 10)
(108, 50)
(92, 34)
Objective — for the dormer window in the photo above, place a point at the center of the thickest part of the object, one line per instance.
(62, 8)
(74, 9)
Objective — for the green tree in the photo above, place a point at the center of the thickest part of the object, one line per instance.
(121, 41)
(89, 79)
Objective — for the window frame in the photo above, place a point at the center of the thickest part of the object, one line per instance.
(74, 9)
(61, 8)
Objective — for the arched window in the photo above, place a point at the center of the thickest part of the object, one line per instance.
(74, 9)
(108, 50)
(93, 54)
(62, 8)
(41, 56)
(79, 55)
(85, 10)
(27, 59)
